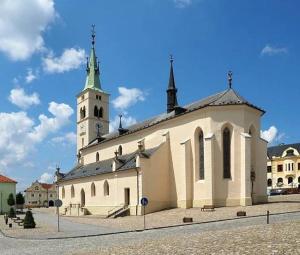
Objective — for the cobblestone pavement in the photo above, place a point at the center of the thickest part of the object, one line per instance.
(244, 236)
(46, 226)
(277, 204)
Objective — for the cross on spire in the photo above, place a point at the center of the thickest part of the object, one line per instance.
(229, 76)
(93, 34)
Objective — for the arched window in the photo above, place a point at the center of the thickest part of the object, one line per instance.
(226, 153)
(101, 112)
(97, 156)
(96, 111)
(83, 112)
(72, 191)
(201, 156)
(120, 150)
(63, 192)
(290, 180)
(269, 182)
(279, 181)
(106, 188)
(93, 190)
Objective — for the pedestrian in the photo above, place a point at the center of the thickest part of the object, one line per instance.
(5, 218)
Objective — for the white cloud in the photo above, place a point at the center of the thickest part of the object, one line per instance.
(70, 59)
(46, 178)
(61, 113)
(19, 135)
(20, 98)
(269, 134)
(182, 3)
(30, 76)
(126, 121)
(68, 138)
(269, 50)
(128, 97)
(22, 24)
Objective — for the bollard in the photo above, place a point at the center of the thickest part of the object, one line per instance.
(268, 216)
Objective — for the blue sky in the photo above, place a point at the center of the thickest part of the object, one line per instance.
(43, 45)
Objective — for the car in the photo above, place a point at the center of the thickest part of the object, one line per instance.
(275, 192)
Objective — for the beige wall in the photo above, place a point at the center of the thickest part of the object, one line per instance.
(88, 132)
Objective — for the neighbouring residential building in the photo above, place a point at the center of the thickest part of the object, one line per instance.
(208, 152)
(7, 186)
(40, 195)
(283, 170)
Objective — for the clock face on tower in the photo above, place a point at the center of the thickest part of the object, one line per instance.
(99, 128)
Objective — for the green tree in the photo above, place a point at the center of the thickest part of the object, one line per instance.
(20, 200)
(29, 220)
(11, 200)
(11, 213)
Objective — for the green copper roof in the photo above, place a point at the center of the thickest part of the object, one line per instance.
(92, 78)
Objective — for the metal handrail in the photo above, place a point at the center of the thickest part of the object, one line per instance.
(116, 207)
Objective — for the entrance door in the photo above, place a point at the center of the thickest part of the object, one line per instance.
(82, 202)
(127, 196)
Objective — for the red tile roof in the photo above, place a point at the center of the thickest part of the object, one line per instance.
(46, 185)
(4, 179)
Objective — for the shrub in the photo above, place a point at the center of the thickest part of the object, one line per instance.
(12, 213)
(11, 200)
(29, 220)
(20, 199)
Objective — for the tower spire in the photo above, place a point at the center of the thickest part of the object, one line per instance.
(172, 90)
(92, 68)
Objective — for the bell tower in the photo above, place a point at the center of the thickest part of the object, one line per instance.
(92, 103)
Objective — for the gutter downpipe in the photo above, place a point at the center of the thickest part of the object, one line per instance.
(138, 190)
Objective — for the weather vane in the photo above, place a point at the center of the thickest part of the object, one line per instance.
(229, 75)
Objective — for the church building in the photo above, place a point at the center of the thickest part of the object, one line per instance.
(208, 152)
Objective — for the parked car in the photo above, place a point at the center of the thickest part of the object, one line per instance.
(275, 192)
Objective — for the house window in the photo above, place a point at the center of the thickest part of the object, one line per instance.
(32, 195)
(279, 168)
(290, 153)
(290, 180)
(40, 195)
(63, 193)
(269, 169)
(72, 191)
(298, 166)
(279, 181)
(50, 195)
(269, 182)
(97, 156)
(120, 150)
(93, 190)
(299, 179)
(226, 153)
(82, 142)
(82, 97)
(36, 188)
(201, 156)
(106, 188)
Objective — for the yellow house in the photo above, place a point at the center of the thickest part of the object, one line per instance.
(208, 152)
(283, 166)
